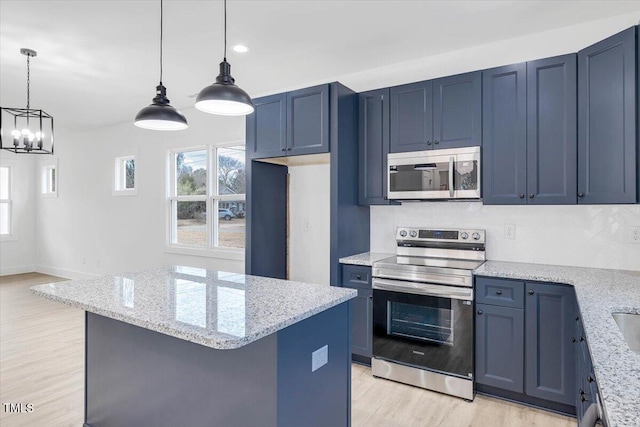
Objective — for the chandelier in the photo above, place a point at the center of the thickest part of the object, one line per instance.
(26, 130)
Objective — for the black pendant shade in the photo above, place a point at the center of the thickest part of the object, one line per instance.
(160, 115)
(224, 97)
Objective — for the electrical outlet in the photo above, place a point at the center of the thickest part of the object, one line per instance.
(634, 234)
(510, 231)
(319, 358)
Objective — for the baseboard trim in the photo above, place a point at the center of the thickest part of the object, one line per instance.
(8, 271)
(64, 273)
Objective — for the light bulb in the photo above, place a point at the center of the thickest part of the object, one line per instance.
(15, 133)
(40, 135)
(26, 131)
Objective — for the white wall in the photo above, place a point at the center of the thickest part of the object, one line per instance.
(118, 233)
(18, 252)
(309, 221)
(584, 236)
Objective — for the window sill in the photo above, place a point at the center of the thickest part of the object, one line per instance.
(8, 238)
(222, 253)
(133, 192)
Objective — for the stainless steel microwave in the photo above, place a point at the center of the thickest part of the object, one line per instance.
(434, 174)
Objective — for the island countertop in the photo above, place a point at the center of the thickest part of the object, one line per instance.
(600, 292)
(216, 309)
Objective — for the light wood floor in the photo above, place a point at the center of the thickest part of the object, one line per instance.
(42, 362)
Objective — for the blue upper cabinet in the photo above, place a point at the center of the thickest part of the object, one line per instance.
(441, 113)
(504, 123)
(411, 113)
(266, 127)
(308, 120)
(552, 131)
(374, 147)
(457, 111)
(607, 121)
(290, 123)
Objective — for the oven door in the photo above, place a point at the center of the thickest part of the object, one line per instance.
(423, 325)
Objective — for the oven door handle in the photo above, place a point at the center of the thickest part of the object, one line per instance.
(439, 291)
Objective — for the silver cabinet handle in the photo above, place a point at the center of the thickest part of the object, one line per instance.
(441, 291)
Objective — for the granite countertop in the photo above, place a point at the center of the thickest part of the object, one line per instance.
(213, 308)
(600, 292)
(367, 258)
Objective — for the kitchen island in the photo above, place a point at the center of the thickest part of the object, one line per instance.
(188, 346)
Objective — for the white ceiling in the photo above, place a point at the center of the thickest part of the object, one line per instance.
(97, 61)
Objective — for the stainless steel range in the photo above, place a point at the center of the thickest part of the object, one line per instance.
(423, 309)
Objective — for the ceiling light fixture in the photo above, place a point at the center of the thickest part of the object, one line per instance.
(160, 115)
(223, 97)
(240, 48)
(23, 122)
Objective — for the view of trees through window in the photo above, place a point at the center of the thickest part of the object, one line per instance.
(192, 199)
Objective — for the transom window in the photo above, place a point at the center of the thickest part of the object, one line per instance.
(49, 180)
(206, 197)
(125, 176)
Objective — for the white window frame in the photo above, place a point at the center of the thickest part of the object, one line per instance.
(212, 198)
(9, 201)
(45, 181)
(120, 179)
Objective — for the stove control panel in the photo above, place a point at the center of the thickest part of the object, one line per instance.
(409, 234)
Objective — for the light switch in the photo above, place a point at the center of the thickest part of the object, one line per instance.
(319, 358)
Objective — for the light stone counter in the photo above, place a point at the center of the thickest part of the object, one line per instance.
(367, 258)
(600, 292)
(214, 308)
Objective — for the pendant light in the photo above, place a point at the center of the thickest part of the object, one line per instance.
(29, 130)
(160, 115)
(223, 97)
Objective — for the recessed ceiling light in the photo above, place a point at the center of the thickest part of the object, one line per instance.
(240, 48)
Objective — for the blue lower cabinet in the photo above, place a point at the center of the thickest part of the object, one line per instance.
(527, 354)
(500, 347)
(362, 324)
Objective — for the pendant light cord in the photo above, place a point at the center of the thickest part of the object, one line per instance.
(161, 26)
(225, 31)
(28, 80)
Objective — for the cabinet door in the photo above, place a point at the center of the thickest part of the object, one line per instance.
(504, 125)
(266, 127)
(457, 111)
(374, 147)
(411, 113)
(550, 326)
(552, 142)
(500, 347)
(607, 120)
(308, 120)
(362, 323)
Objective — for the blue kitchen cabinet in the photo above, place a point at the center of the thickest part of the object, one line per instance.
(550, 352)
(374, 147)
(288, 124)
(552, 143)
(500, 347)
(607, 120)
(359, 277)
(266, 127)
(586, 387)
(504, 127)
(308, 121)
(433, 114)
(525, 347)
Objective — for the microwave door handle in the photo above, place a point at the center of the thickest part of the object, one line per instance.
(451, 172)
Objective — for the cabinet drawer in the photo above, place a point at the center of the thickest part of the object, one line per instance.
(356, 276)
(506, 293)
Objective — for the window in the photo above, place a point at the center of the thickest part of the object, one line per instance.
(206, 198)
(125, 176)
(49, 180)
(5, 201)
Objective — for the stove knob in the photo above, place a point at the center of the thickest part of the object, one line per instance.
(464, 235)
(413, 233)
(476, 236)
(403, 233)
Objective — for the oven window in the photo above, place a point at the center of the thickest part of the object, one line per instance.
(432, 324)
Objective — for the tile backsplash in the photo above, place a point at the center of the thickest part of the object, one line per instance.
(596, 236)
